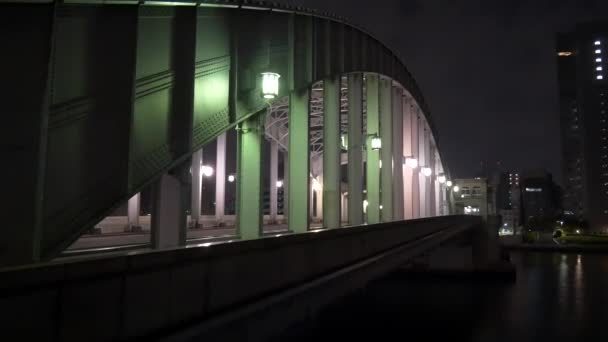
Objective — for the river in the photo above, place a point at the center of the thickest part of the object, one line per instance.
(556, 297)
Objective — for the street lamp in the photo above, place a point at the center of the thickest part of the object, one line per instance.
(411, 162)
(441, 179)
(231, 178)
(270, 85)
(375, 142)
(448, 183)
(206, 170)
(456, 188)
(427, 171)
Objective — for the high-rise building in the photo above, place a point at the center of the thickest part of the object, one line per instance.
(583, 98)
(508, 200)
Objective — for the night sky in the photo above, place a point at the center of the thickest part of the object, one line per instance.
(486, 68)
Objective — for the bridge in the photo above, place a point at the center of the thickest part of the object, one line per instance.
(107, 100)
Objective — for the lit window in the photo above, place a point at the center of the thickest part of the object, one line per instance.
(600, 77)
(598, 51)
(599, 68)
(597, 42)
(599, 60)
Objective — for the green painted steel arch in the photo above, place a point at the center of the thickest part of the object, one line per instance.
(129, 91)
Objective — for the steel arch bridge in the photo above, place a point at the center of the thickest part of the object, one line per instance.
(103, 98)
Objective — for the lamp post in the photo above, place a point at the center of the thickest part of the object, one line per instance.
(270, 85)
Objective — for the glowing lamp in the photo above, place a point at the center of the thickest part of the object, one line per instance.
(270, 85)
(441, 179)
(231, 178)
(376, 143)
(279, 184)
(427, 171)
(411, 162)
(448, 183)
(207, 171)
(456, 188)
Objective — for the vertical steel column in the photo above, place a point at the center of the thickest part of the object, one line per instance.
(423, 163)
(355, 149)
(386, 153)
(249, 180)
(168, 224)
(429, 162)
(397, 124)
(285, 186)
(331, 152)
(408, 151)
(416, 153)
(133, 208)
(299, 179)
(195, 210)
(220, 179)
(274, 178)
(373, 156)
(300, 71)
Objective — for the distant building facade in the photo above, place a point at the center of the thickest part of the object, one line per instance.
(582, 57)
(539, 201)
(472, 197)
(508, 199)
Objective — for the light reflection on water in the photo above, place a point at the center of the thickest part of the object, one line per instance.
(556, 297)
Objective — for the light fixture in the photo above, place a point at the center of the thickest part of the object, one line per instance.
(448, 183)
(376, 142)
(231, 178)
(578, 231)
(316, 186)
(597, 42)
(279, 184)
(270, 85)
(599, 60)
(206, 170)
(380, 164)
(365, 204)
(456, 188)
(564, 53)
(411, 162)
(598, 51)
(427, 171)
(441, 179)
(344, 142)
(599, 68)
(599, 77)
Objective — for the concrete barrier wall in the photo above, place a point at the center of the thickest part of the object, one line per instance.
(145, 294)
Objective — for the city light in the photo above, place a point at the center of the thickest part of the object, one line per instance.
(564, 53)
(599, 68)
(344, 142)
(411, 162)
(427, 171)
(448, 183)
(279, 184)
(206, 170)
(599, 60)
(456, 188)
(441, 179)
(600, 77)
(270, 85)
(231, 178)
(598, 51)
(597, 42)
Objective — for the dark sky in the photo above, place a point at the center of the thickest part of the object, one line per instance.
(486, 68)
